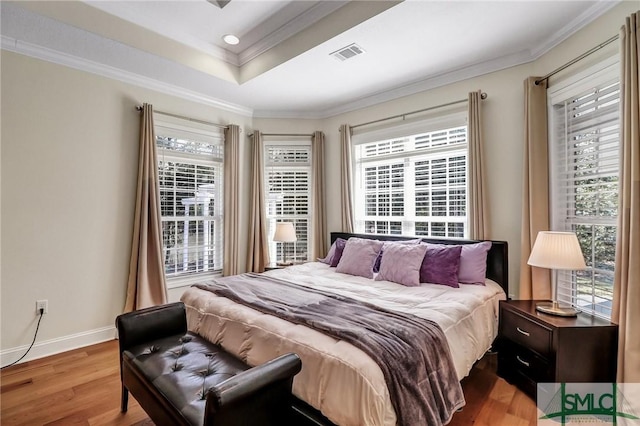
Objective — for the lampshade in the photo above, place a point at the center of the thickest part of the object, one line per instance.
(285, 232)
(557, 250)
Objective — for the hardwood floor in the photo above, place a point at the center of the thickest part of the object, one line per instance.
(82, 387)
(491, 401)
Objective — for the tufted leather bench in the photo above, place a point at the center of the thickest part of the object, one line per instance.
(180, 378)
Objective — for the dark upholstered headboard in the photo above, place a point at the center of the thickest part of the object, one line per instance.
(497, 258)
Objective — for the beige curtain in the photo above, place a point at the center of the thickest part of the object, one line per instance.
(626, 286)
(319, 217)
(231, 198)
(146, 285)
(535, 283)
(346, 182)
(478, 204)
(258, 256)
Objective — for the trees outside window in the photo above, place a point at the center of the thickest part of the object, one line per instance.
(584, 156)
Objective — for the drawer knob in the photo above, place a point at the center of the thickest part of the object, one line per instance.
(521, 331)
(521, 361)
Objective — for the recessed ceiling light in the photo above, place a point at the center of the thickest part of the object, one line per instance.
(231, 39)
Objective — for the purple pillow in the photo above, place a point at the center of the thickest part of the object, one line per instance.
(358, 257)
(441, 264)
(340, 244)
(376, 266)
(401, 263)
(473, 263)
(329, 256)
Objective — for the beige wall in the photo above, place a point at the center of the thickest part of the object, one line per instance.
(593, 35)
(68, 171)
(279, 125)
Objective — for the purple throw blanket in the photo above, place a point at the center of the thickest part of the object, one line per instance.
(412, 352)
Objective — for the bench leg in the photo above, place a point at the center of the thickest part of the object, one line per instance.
(125, 400)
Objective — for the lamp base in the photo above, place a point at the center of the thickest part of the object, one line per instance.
(554, 308)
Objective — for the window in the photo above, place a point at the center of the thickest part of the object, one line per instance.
(190, 171)
(413, 185)
(287, 177)
(584, 162)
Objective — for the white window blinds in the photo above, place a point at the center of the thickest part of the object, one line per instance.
(190, 172)
(413, 185)
(585, 155)
(288, 196)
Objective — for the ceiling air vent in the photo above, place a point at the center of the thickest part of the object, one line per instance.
(347, 52)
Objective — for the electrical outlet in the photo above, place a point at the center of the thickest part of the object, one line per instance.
(42, 304)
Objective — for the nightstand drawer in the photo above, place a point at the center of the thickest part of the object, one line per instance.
(526, 363)
(526, 333)
(522, 367)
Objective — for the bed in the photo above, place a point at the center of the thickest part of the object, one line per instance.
(340, 383)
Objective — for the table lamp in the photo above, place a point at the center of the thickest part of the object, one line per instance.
(285, 233)
(556, 250)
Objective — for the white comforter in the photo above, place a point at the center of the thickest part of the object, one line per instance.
(337, 378)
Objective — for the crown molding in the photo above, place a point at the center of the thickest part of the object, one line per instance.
(294, 26)
(28, 49)
(193, 42)
(578, 23)
(297, 24)
(504, 62)
(38, 52)
(525, 56)
(440, 80)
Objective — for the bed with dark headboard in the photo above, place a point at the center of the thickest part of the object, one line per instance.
(339, 379)
(497, 258)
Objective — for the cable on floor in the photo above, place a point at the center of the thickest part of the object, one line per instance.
(30, 346)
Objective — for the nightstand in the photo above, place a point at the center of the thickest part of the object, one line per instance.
(534, 347)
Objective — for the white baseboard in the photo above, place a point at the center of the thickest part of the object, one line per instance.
(58, 345)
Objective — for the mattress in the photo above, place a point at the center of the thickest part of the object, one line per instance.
(338, 379)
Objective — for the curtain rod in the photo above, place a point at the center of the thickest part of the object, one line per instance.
(284, 134)
(482, 96)
(195, 120)
(579, 58)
